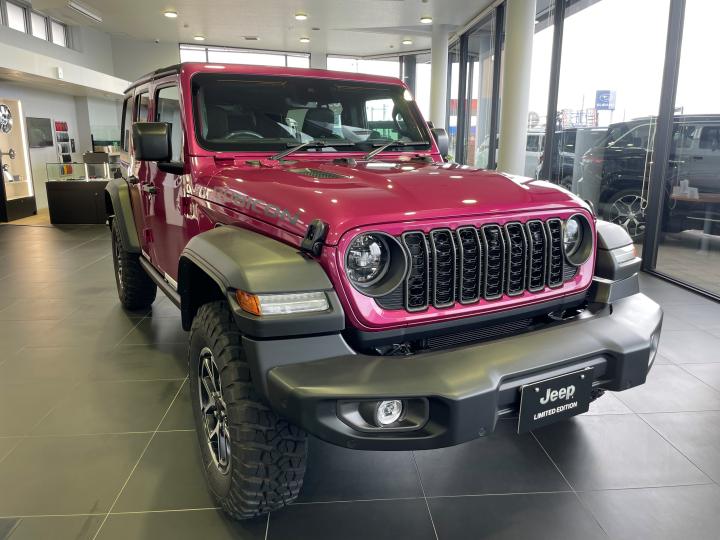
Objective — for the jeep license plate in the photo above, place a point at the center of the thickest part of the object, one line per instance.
(548, 401)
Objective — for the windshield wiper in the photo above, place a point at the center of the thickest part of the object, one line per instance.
(390, 144)
(309, 144)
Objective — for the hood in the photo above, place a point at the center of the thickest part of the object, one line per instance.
(293, 194)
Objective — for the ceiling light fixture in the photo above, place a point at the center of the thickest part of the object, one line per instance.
(170, 14)
(82, 9)
(304, 40)
(301, 16)
(407, 42)
(199, 38)
(426, 20)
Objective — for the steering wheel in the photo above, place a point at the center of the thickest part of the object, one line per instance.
(243, 133)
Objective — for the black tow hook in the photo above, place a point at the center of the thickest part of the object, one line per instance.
(314, 237)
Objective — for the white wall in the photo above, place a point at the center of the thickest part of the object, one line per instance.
(132, 58)
(42, 104)
(92, 48)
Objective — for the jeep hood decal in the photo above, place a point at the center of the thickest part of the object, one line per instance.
(375, 192)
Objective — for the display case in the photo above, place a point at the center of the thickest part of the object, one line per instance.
(76, 192)
(17, 197)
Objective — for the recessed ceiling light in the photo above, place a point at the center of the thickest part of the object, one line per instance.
(407, 42)
(426, 20)
(301, 17)
(304, 40)
(171, 14)
(199, 38)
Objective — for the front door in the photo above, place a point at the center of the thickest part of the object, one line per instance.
(165, 190)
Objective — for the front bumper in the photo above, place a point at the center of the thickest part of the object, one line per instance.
(468, 388)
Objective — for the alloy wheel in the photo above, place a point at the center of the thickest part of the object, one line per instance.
(628, 211)
(214, 411)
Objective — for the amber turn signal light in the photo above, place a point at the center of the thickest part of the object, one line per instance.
(248, 302)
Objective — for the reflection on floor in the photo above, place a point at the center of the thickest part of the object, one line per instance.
(96, 437)
(41, 218)
(693, 257)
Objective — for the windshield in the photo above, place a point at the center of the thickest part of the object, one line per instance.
(260, 113)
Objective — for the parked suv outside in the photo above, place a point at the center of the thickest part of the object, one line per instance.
(339, 278)
(615, 173)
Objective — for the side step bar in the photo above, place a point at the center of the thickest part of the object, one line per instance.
(160, 281)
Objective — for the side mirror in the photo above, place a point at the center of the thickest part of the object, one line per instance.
(442, 140)
(152, 141)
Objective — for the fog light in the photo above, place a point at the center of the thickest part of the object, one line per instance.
(654, 344)
(388, 412)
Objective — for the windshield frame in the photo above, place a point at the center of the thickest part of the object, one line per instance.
(362, 147)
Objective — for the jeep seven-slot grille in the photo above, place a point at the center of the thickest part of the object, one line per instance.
(471, 263)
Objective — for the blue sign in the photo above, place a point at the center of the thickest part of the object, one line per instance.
(605, 100)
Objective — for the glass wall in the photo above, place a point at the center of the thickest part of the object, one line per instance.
(689, 245)
(481, 58)
(473, 92)
(229, 55)
(608, 97)
(453, 96)
(388, 67)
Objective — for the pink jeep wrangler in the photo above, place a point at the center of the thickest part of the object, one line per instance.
(338, 277)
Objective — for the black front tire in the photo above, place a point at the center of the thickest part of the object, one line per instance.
(264, 456)
(135, 288)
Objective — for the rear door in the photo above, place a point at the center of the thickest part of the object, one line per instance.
(135, 106)
(139, 177)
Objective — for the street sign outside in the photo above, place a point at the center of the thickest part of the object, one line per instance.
(605, 100)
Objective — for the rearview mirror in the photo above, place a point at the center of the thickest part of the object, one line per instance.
(442, 140)
(152, 141)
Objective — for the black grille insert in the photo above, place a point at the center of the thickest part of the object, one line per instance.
(471, 263)
(417, 284)
(494, 261)
(555, 252)
(442, 245)
(470, 256)
(516, 258)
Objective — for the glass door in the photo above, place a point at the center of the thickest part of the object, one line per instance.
(689, 244)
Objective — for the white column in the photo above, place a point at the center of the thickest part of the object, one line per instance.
(318, 57)
(519, 32)
(439, 75)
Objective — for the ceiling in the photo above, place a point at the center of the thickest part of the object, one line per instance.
(351, 27)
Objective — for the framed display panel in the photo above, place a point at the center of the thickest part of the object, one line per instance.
(17, 197)
(40, 132)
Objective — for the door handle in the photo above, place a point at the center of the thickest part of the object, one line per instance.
(149, 188)
(697, 157)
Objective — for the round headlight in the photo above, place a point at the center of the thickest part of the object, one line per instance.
(577, 240)
(367, 259)
(375, 263)
(572, 236)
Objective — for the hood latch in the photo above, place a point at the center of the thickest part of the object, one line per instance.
(314, 237)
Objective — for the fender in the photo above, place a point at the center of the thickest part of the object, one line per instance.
(612, 237)
(240, 259)
(118, 191)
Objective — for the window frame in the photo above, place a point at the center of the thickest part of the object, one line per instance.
(45, 22)
(155, 100)
(125, 144)
(51, 37)
(26, 15)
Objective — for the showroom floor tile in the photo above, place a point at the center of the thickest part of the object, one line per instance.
(97, 438)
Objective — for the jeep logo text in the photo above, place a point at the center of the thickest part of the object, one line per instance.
(552, 395)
